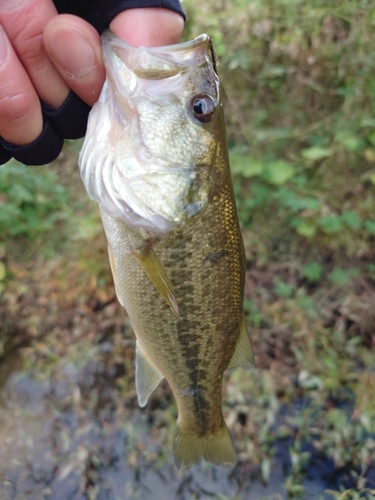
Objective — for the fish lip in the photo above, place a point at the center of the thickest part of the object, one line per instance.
(155, 63)
(203, 39)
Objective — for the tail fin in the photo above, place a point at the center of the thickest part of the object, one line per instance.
(218, 450)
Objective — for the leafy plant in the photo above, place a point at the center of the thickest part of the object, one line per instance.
(312, 272)
(31, 200)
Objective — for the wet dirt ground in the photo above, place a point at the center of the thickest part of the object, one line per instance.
(70, 424)
(70, 434)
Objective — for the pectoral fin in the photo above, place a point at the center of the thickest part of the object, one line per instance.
(147, 377)
(243, 355)
(156, 272)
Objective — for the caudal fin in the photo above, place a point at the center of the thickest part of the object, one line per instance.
(218, 450)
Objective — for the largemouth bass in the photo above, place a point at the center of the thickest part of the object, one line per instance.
(155, 159)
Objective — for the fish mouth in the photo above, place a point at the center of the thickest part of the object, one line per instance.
(157, 63)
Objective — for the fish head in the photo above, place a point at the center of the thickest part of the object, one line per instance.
(151, 142)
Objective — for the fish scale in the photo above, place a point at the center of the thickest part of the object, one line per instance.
(179, 274)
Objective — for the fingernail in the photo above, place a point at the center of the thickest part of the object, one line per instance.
(72, 52)
(3, 45)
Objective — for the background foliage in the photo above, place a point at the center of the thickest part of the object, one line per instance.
(299, 96)
(298, 78)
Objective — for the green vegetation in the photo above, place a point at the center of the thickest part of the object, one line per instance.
(298, 78)
(299, 91)
(32, 201)
(300, 105)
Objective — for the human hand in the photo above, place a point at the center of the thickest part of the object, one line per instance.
(43, 56)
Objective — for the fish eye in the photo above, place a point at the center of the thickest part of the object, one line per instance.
(203, 107)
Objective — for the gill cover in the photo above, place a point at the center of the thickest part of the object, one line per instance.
(150, 143)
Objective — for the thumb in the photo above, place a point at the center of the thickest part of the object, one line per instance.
(74, 47)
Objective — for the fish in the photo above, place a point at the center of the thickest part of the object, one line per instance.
(155, 159)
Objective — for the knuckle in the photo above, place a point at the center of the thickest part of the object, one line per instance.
(29, 46)
(20, 117)
(15, 105)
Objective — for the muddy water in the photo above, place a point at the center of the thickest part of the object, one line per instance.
(67, 434)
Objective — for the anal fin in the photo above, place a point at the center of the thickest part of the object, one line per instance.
(243, 355)
(152, 266)
(147, 377)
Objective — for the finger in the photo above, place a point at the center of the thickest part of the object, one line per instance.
(75, 49)
(24, 22)
(74, 46)
(21, 119)
(149, 27)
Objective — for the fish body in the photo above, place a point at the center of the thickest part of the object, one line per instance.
(155, 159)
